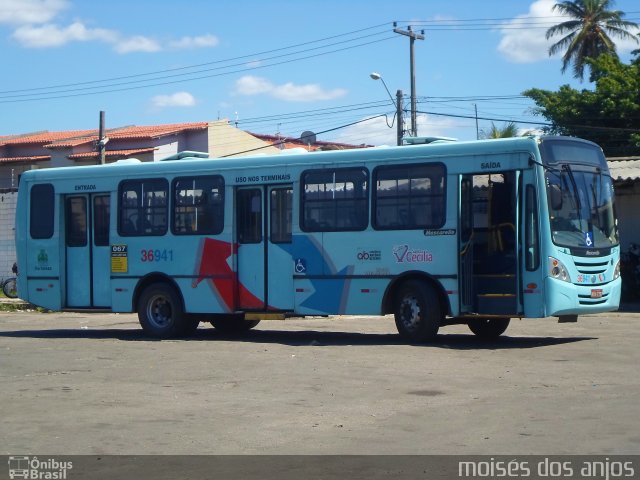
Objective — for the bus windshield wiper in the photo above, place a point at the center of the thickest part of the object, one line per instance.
(574, 185)
(567, 168)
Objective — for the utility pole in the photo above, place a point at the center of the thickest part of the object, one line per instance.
(399, 120)
(102, 140)
(477, 130)
(412, 39)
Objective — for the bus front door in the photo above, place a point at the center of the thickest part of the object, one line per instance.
(488, 244)
(263, 233)
(87, 251)
(465, 244)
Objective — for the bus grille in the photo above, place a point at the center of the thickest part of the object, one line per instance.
(587, 300)
(591, 268)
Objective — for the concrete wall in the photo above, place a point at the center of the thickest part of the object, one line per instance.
(628, 211)
(10, 171)
(7, 231)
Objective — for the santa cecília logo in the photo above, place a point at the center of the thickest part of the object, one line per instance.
(406, 254)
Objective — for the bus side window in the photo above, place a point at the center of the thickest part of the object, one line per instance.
(198, 205)
(41, 206)
(409, 197)
(142, 208)
(335, 200)
(532, 247)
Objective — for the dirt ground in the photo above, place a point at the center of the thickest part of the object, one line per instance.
(94, 384)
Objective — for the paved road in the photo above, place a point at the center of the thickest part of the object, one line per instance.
(93, 384)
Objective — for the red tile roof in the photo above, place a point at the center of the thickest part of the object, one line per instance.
(72, 138)
(43, 137)
(155, 131)
(112, 153)
(35, 158)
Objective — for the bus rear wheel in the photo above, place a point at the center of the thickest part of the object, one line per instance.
(488, 328)
(417, 312)
(233, 324)
(161, 314)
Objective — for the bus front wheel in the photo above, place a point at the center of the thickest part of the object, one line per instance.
(417, 312)
(488, 328)
(160, 312)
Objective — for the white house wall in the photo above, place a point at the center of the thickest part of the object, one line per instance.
(7, 232)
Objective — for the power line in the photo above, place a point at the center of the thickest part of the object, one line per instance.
(317, 133)
(255, 67)
(187, 67)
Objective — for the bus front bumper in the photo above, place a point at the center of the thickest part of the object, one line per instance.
(565, 298)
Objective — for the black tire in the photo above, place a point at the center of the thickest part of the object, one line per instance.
(417, 312)
(233, 324)
(488, 328)
(160, 312)
(10, 288)
(191, 324)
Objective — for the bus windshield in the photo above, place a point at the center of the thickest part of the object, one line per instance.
(580, 195)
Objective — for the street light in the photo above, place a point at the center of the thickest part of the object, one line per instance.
(396, 103)
(377, 76)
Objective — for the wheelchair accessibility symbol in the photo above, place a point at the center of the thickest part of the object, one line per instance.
(588, 239)
(300, 265)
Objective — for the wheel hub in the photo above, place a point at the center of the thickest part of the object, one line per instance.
(159, 311)
(411, 314)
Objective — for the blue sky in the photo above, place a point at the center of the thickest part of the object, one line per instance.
(276, 66)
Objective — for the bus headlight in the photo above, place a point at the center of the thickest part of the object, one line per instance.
(558, 270)
(616, 272)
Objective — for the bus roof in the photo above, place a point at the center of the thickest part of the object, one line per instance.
(187, 160)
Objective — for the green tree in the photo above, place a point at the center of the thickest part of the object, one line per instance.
(508, 130)
(608, 115)
(588, 32)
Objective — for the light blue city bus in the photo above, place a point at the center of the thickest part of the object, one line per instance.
(436, 234)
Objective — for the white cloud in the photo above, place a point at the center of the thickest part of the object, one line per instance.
(137, 43)
(306, 93)
(203, 41)
(250, 85)
(626, 45)
(376, 131)
(21, 12)
(178, 99)
(50, 35)
(522, 44)
(35, 28)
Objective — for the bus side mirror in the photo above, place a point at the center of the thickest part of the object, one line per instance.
(555, 197)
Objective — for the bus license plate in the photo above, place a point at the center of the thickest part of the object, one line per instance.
(596, 293)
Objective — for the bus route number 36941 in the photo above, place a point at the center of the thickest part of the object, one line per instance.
(156, 255)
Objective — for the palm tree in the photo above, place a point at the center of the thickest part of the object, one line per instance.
(507, 131)
(588, 32)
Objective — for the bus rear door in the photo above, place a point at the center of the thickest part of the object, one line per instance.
(87, 250)
(264, 264)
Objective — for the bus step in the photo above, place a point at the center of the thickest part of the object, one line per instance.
(488, 284)
(497, 303)
(264, 316)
